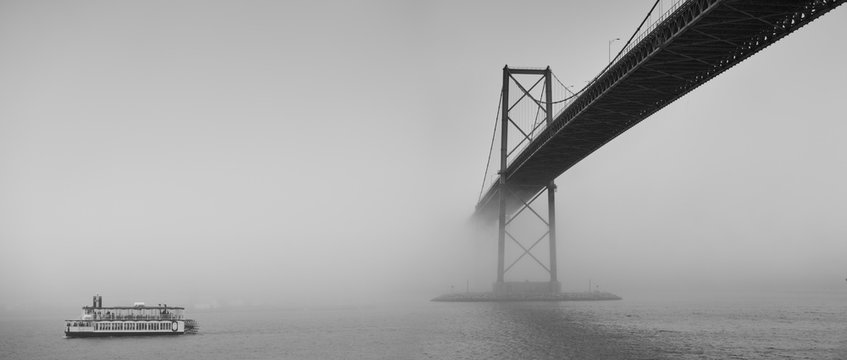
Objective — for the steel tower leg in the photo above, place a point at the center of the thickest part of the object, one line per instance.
(504, 139)
(551, 187)
(551, 219)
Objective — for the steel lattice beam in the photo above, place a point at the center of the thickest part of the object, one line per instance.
(698, 41)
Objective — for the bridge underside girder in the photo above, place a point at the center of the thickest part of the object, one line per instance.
(700, 40)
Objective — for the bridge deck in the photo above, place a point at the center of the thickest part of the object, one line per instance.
(697, 42)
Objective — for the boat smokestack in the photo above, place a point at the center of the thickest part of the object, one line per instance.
(99, 301)
(94, 301)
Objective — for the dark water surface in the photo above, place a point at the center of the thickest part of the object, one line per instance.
(789, 326)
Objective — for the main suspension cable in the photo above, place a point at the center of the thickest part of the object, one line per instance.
(491, 147)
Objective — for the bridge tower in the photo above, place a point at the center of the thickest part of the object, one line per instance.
(508, 192)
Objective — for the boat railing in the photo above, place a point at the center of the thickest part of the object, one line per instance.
(137, 317)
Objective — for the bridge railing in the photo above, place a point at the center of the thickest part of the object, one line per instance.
(665, 8)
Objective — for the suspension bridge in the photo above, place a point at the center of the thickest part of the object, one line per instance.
(545, 129)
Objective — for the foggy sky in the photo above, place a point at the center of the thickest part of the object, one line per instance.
(290, 153)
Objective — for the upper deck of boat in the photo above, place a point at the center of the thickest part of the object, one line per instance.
(144, 307)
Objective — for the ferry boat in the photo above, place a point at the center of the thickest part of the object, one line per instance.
(135, 320)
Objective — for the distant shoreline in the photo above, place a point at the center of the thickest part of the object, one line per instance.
(492, 297)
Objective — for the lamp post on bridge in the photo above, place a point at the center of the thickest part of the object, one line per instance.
(610, 48)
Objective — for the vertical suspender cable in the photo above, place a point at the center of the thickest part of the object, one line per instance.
(491, 148)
